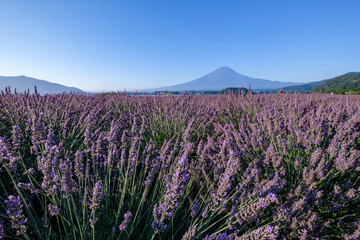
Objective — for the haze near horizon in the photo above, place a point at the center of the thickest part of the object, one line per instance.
(113, 45)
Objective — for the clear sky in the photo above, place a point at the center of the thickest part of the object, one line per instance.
(112, 45)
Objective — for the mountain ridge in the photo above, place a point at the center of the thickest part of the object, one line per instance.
(23, 83)
(304, 87)
(222, 78)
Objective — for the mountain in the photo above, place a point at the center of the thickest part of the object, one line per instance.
(23, 83)
(304, 87)
(344, 83)
(224, 77)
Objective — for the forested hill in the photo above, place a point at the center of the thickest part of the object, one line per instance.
(347, 82)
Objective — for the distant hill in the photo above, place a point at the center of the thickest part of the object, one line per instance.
(224, 77)
(23, 83)
(233, 90)
(303, 88)
(343, 83)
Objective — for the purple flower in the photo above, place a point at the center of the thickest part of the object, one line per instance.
(268, 232)
(8, 155)
(220, 236)
(54, 210)
(2, 229)
(190, 233)
(27, 186)
(16, 137)
(68, 184)
(30, 171)
(174, 189)
(133, 155)
(158, 227)
(15, 213)
(127, 218)
(49, 166)
(195, 208)
(205, 213)
(79, 168)
(95, 202)
(221, 195)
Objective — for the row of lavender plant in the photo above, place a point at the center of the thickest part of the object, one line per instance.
(181, 167)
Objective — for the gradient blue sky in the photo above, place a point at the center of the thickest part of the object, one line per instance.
(112, 45)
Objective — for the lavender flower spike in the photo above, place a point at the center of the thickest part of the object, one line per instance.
(127, 218)
(2, 230)
(95, 202)
(54, 210)
(15, 213)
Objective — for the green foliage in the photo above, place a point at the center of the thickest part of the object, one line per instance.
(335, 91)
(340, 84)
(233, 90)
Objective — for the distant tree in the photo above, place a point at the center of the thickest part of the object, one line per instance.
(233, 90)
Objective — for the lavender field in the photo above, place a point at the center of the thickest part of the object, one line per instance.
(232, 166)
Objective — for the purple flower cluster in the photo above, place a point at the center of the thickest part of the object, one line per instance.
(16, 137)
(95, 201)
(190, 233)
(127, 218)
(2, 230)
(262, 233)
(27, 186)
(195, 208)
(54, 210)
(15, 214)
(8, 154)
(49, 166)
(68, 184)
(174, 189)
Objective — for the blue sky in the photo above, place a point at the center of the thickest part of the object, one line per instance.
(112, 45)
